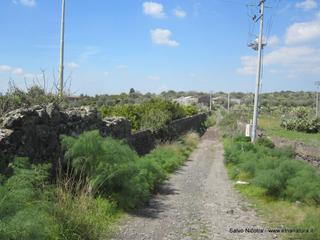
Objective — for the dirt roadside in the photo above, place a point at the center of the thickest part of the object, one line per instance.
(197, 202)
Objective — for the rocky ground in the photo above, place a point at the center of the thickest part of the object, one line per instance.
(197, 202)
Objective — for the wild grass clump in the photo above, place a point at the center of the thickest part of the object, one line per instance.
(112, 169)
(284, 190)
(104, 176)
(273, 169)
(81, 215)
(33, 209)
(109, 168)
(26, 211)
(210, 121)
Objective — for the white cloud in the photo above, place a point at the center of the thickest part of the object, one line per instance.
(303, 32)
(89, 52)
(307, 5)
(73, 65)
(248, 65)
(178, 12)
(153, 77)
(153, 9)
(5, 68)
(30, 76)
(273, 41)
(162, 37)
(106, 73)
(18, 71)
(28, 3)
(293, 61)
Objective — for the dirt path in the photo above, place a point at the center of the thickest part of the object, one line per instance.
(198, 202)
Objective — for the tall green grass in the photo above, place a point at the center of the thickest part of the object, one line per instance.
(112, 169)
(277, 176)
(104, 178)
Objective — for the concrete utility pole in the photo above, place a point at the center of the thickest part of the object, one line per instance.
(61, 66)
(210, 101)
(258, 75)
(228, 102)
(317, 83)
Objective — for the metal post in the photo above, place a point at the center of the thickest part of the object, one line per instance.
(258, 75)
(210, 101)
(317, 83)
(228, 102)
(61, 66)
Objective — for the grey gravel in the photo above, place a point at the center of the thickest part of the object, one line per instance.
(197, 202)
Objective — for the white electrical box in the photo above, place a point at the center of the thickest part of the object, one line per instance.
(248, 130)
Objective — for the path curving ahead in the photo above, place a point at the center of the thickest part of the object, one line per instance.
(197, 202)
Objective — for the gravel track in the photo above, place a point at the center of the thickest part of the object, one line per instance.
(197, 202)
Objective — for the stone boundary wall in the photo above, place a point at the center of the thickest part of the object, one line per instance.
(305, 152)
(308, 153)
(143, 142)
(35, 132)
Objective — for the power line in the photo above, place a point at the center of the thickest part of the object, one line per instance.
(272, 19)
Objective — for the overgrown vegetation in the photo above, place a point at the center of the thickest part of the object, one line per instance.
(275, 177)
(210, 121)
(301, 120)
(16, 98)
(104, 178)
(152, 114)
(271, 126)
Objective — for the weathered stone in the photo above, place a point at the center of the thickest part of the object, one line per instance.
(34, 132)
(116, 127)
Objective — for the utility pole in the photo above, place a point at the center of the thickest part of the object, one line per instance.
(317, 83)
(210, 101)
(61, 66)
(228, 102)
(258, 75)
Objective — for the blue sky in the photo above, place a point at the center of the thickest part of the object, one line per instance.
(113, 45)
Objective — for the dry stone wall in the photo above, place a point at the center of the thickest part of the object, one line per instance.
(35, 132)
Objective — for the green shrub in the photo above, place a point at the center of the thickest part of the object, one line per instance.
(266, 142)
(81, 216)
(110, 167)
(311, 222)
(24, 204)
(273, 169)
(300, 119)
(210, 121)
(149, 114)
(154, 120)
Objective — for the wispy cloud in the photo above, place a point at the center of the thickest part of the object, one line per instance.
(303, 32)
(28, 3)
(163, 37)
(153, 77)
(5, 68)
(153, 9)
(17, 71)
(178, 12)
(273, 41)
(73, 65)
(307, 5)
(88, 52)
(297, 56)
